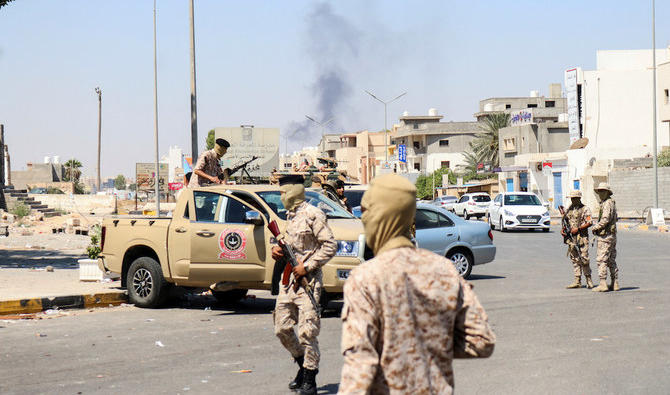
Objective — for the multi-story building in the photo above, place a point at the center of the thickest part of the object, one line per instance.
(543, 108)
(328, 144)
(431, 144)
(362, 154)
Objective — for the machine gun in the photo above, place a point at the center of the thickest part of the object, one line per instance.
(290, 258)
(227, 173)
(565, 228)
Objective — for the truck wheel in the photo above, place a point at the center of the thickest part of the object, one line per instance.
(232, 296)
(145, 282)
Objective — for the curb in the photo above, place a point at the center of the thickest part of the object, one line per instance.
(36, 305)
(646, 228)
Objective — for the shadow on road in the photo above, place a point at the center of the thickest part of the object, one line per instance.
(26, 259)
(328, 389)
(484, 277)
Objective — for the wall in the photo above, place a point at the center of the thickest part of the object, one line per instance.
(634, 190)
(82, 203)
(533, 138)
(663, 98)
(37, 173)
(457, 143)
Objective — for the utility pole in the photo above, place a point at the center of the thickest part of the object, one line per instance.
(323, 130)
(157, 179)
(386, 139)
(99, 92)
(655, 144)
(194, 113)
(2, 156)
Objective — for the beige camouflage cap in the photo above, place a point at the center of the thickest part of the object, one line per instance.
(603, 186)
(575, 194)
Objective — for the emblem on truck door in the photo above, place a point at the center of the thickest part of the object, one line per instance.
(232, 244)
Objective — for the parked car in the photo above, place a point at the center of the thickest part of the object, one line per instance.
(445, 202)
(473, 205)
(466, 243)
(354, 194)
(518, 210)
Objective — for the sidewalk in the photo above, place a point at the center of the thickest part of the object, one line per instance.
(27, 287)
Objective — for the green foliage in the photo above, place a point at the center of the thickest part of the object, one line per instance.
(79, 189)
(94, 249)
(120, 182)
(54, 191)
(664, 158)
(424, 183)
(484, 148)
(20, 210)
(4, 2)
(210, 139)
(72, 172)
(132, 187)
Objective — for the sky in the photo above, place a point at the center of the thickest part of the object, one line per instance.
(270, 63)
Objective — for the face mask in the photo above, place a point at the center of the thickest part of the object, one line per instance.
(292, 195)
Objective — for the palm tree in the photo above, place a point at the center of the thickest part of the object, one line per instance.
(484, 148)
(72, 172)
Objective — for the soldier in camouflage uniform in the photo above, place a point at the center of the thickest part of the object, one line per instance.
(605, 232)
(207, 169)
(313, 243)
(407, 313)
(579, 220)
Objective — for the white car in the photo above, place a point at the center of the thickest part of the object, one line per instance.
(518, 210)
(445, 202)
(472, 205)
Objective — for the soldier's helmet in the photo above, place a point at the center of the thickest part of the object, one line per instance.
(575, 194)
(603, 186)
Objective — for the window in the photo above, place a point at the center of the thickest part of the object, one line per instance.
(481, 198)
(464, 199)
(522, 200)
(235, 212)
(416, 125)
(426, 219)
(288, 165)
(508, 106)
(498, 199)
(550, 103)
(417, 166)
(444, 164)
(445, 221)
(417, 145)
(667, 96)
(206, 204)
(444, 143)
(509, 144)
(532, 106)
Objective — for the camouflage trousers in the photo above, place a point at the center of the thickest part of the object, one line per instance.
(294, 308)
(607, 257)
(580, 257)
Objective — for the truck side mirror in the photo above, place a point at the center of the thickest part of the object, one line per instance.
(253, 217)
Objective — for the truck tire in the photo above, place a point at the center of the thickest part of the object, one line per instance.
(232, 296)
(145, 283)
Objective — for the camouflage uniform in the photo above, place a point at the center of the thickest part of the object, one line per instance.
(407, 313)
(313, 243)
(577, 217)
(605, 231)
(208, 162)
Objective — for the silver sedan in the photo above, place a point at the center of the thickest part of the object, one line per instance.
(466, 243)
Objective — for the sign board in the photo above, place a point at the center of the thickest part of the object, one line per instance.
(547, 167)
(573, 104)
(248, 141)
(656, 217)
(145, 174)
(521, 117)
(402, 153)
(175, 186)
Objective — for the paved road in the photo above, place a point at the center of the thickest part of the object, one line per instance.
(550, 340)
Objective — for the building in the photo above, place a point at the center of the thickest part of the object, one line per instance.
(663, 94)
(362, 154)
(328, 144)
(51, 173)
(431, 144)
(543, 108)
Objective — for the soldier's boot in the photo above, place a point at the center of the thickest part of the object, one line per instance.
(576, 284)
(298, 380)
(309, 384)
(589, 282)
(602, 286)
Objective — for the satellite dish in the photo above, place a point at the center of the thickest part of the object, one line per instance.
(579, 144)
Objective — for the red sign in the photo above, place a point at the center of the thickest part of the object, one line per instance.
(175, 186)
(547, 164)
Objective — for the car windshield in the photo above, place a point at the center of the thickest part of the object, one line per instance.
(481, 198)
(354, 197)
(330, 208)
(522, 200)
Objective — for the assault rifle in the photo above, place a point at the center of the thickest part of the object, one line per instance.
(289, 257)
(227, 173)
(565, 227)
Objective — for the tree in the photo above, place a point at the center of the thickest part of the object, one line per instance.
(120, 182)
(72, 172)
(210, 139)
(484, 148)
(664, 158)
(132, 187)
(4, 2)
(424, 183)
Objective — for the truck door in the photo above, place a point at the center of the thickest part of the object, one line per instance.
(179, 241)
(224, 247)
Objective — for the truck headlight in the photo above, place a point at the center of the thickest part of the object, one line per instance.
(509, 213)
(347, 248)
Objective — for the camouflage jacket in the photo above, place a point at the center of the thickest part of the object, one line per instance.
(578, 216)
(407, 313)
(307, 232)
(209, 163)
(607, 218)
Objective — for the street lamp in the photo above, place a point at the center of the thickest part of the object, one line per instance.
(158, 193)
(98, 91)
(653, 89)
(323, 126)
(386, 139)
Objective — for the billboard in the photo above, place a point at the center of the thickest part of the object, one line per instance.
(521, 117)
(145, 174)
(248, 141)
(573, 104)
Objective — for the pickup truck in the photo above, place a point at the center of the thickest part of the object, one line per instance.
(218, 234)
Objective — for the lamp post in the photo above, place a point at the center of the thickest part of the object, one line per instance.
(99, 92)
(323, 127)
(158, 193)
(386, 140)
(655, 143)
(194, 113)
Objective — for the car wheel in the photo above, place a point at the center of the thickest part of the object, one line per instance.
(462, 261)
(488, 217)
(232, 296)
(502, 225)
(465, 215)
(145, 282)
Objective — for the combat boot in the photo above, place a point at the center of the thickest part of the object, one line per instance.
(589, 283)
(309, 384)
(615, 285)
(576, 284)
(602, 286)
(298, 380)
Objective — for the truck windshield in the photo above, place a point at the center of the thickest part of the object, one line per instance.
(330, 208)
